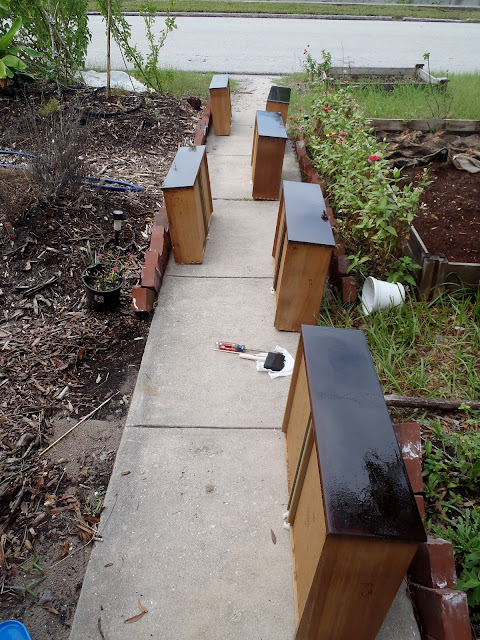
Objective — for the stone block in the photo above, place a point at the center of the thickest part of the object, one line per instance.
(408, 437)
(420, 505)
(442, 613)
(349, 289)
(160, 242)
(433, 565)
(142, 299)
(161, 218)
(151, 277)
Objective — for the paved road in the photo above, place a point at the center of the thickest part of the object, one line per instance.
(275, 45)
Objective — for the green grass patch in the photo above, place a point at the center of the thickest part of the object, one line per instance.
(184, 84)
(427, 349)
(459, 99)
(219, 6)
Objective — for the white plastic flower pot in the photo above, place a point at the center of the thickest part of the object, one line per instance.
(377, 294)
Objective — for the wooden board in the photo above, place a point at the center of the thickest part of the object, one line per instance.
(267, 168)
(432, 124)
(356, 526)
(354, 585)
(278, 107)
(299, 289)
(205, 189)
(221, 111)
(298, 420)
(186, 223)
(309, 533)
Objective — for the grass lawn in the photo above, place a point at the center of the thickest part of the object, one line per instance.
(398, 12)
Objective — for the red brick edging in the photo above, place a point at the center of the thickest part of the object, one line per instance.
(156, 258)
(442, 612)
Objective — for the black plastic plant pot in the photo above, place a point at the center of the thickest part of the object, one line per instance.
(100, 300)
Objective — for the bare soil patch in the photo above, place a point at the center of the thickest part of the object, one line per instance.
(448, 220)
(51, 343)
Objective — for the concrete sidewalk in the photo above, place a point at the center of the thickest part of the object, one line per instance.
(193, 525)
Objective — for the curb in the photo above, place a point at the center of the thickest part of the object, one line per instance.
(441, 610)
(156, 257)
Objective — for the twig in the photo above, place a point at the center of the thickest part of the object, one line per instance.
(78, 423)
(429, 403)
(100, 629)
(37, 287)
(92, 539)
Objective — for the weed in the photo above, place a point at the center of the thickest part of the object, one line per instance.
(422, 348)
(50, 107)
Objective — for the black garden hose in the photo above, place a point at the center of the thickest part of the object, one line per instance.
(107, 114)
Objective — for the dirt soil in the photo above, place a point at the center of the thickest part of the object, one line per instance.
(449, 217)
(59, 361)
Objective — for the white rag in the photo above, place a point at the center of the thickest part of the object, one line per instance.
(287, 367)
(118, 80)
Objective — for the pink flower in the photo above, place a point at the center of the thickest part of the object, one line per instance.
(374, 158)
(115, 269)
(326, 108)
(302, 128)
(339, 141)
(362, 213)
(342, 133)
(99, 255)
(131, 255)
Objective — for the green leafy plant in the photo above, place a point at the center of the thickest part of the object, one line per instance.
(111, 268)
(374, 208)
(401, 271)
(147, 67)
(439, 98)
(11, 65)
(58, 31)
(451, 473)
(317, 70)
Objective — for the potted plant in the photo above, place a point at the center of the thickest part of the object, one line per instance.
(103, 278)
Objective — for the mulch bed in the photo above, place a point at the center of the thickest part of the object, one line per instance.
(58, 359)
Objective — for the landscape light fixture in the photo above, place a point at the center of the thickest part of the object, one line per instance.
(117, 224)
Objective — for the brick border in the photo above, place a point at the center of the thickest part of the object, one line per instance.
(339, 263)
(156, 257)
(442, 612)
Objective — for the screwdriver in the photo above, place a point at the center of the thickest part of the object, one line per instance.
(234, 347)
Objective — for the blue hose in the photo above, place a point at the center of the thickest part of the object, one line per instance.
(110, 184)
(15, 153)
(101, 183)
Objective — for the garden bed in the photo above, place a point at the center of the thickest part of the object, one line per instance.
(58, 360)
(385, 77)
(445, 238)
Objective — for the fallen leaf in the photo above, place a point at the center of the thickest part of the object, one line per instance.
(64, 552)
(52, 610)
(274, 537)
(139, 616)
(125, 473)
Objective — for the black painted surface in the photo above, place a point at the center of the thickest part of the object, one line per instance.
(304, 208)
(219, 81)
(270, 125)
(279, 94)
(184, 168)
(365, 487)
